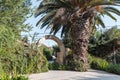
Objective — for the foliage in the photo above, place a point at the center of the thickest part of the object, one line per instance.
(58, 14)
(112, 33)
(15, 56)
(19, 78)
(73, 64)
(67, 41)
(76, 17)
(94, 62)
(102, 37)
(48, 53)
(56, 48)
(102, 64)
(57, 66)
(44, 65)
(76, 65)
(113, 68)
(7, 39)
(6, 77)
(98, 63)
(13, 14)
(24, 61)
(101, 44)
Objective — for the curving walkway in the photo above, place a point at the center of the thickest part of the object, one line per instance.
(71, 75)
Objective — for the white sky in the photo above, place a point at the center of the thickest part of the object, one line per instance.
(32, 21)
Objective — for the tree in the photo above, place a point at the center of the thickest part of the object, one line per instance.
(102, 44)
(78, 17)
(13, 14)
(112, 33)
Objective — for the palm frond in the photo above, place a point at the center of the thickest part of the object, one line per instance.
(113, 10)
(45, 23)
(45, 9)
(55, 28)
(54, 18)
(100, 3)
(110, 15)
(64, 3)
(100, 21)
(65, 29)
(46, 17)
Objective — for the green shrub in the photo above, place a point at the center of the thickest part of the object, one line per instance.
(57, 66)
(101, 64)
(7, 77)
(56, 48)
(89, 59)
(44, 67)
(19, 78)
(74, 64)
(24, 60)
(113, 68)
(50, 66)
(47, 53)
(98, 63)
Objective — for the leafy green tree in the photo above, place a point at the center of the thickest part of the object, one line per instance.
(13, 14)
(78, 17)
(100, 38)
(112, 33)
(101, 44)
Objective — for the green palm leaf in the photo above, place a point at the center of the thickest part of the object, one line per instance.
(46, 17)
(52, 20)
(100, 21)
(99, 2)
(113, 10)
(110, 15)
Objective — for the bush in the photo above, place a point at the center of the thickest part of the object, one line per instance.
(47, 53)
(101, 64)
(113, 68)
(56, 48)
(98, 63)
(90, 59)
(57, 66)
(19, 78)
(7, 77)
(44, 67)
(74, 65)
(24, 60)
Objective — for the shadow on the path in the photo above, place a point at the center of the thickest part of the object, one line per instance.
(91, 78)
(103, 76)
(72, 75)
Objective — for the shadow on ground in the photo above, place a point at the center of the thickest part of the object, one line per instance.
(72, 75)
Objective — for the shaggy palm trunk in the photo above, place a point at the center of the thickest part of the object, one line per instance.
(80, 34)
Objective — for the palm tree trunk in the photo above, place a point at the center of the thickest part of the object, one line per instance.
(80, 34)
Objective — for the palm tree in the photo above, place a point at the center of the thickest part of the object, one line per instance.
(78, 17)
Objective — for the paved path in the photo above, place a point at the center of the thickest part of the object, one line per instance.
(71, 75)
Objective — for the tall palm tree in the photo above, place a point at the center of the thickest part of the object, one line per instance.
(78, 17)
